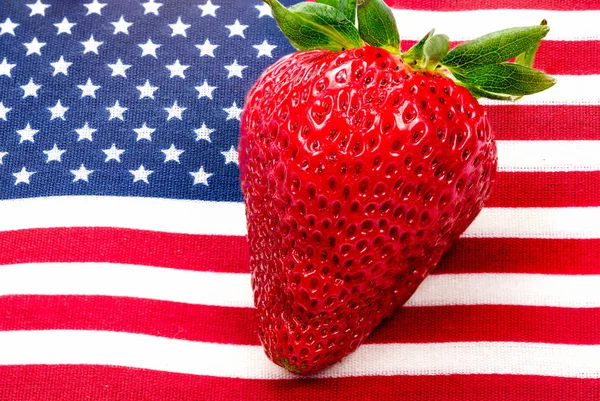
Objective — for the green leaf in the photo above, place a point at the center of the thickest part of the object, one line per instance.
(415, 55)
(377, 25)
(526, 58)
(505, 78)
(478, 92)
(348, 7)
(495, 47)
(332, 3)
(435, 48)
(310, 26)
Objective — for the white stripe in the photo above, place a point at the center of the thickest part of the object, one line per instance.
(464, 25)
(221, 218)
(163, 284)
(548, 155)
(246, 361)
(233, 290)
(566, 291)
(576, 90)
(154, 214)
(570, 222)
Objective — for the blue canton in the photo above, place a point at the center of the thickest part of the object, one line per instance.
(128, 98)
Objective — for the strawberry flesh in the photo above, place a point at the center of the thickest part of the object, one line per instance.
(358, 173)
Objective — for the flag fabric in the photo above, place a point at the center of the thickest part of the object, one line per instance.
(123, 262)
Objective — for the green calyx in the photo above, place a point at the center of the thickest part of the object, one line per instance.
(427, 53)
(482, 65)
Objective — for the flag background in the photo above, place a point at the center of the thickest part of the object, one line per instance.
(123, 262)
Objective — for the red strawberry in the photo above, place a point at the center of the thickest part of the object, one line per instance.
(358, 172)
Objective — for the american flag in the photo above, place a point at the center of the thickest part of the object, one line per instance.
(123, 262)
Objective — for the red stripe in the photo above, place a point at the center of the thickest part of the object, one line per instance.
(517, 255)
(491, 323)
(104, 383)
(455, 5)
(237, 326)
(549, 57)
(133, 315)
(560, 189)
(230, 254)
(149, 248)
(519, 122)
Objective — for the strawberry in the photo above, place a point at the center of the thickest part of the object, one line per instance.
(360, 166)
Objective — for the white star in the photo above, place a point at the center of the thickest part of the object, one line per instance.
(177, 69)
(58, 111)
(207, 49)
(85, 132)
(81, 174)
(264, 9)
(89, 89)
(116, 111)
(231, 156)
(61, 66)
(64, 26)
(205, 90)
(175, 111)
(2, 154)
(264, 49)
(179, 28)
(144, 132)
(150, 7)
(172, 153)
(236, 29)
(54, 154)
(91, 45)
(8, 27)
(233, 112)
(94, 7)
(203, 133)
(201, 176)
(30, 89)
(149, 48)
(23, 176)
(121, 26)
(118, 69)
(147, 90)
(4, 111)
(38, 8)
(141, 174)
(34, 47)
(27, 133)
(235, 70)
(208, 9)
(6, 67)
(113, 153)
